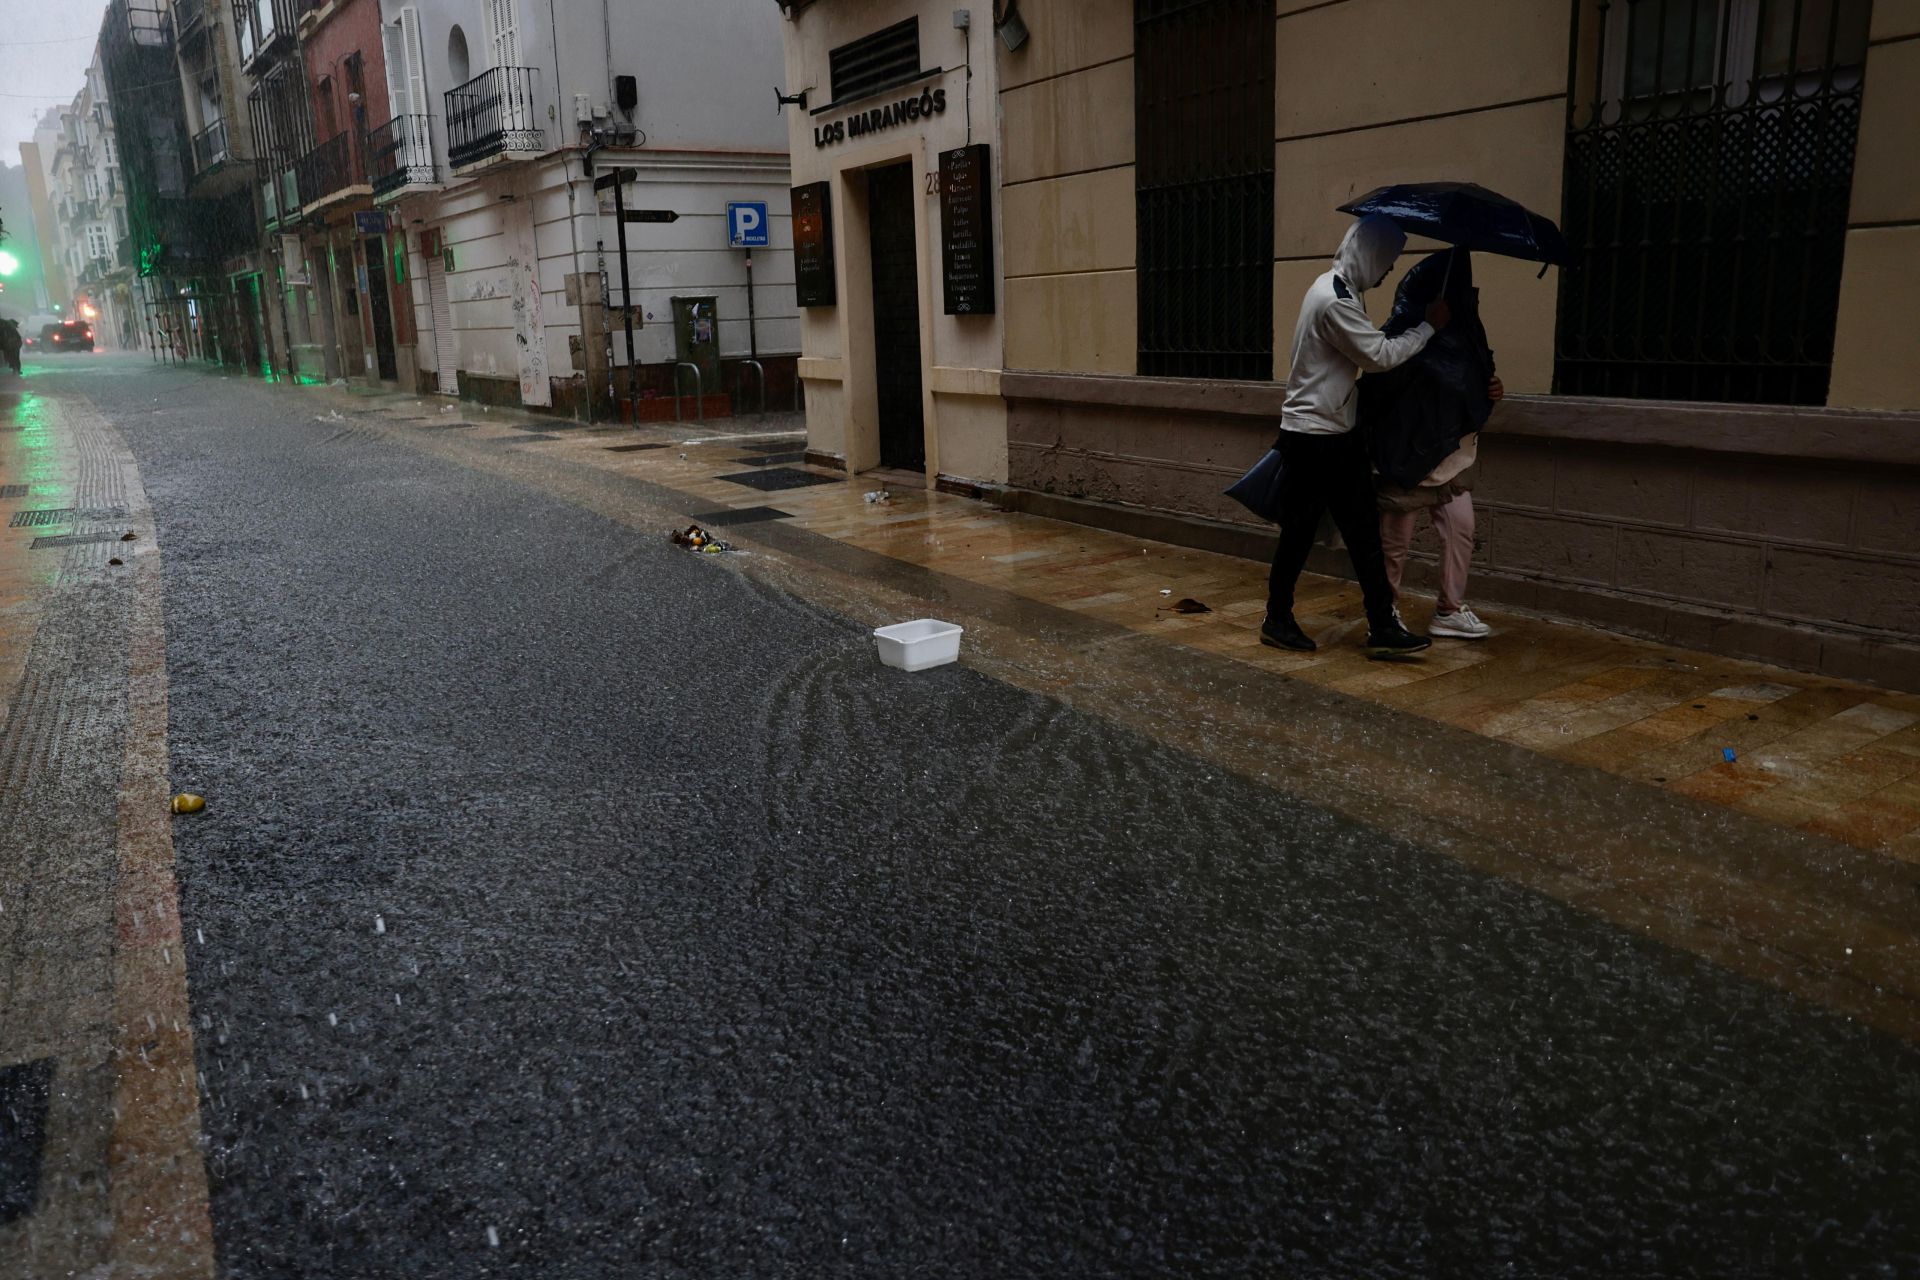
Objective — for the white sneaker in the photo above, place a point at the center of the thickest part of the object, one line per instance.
(1462, 624)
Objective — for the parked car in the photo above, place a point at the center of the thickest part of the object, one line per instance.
(74, 335)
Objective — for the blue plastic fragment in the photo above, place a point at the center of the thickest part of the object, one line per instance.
(1727, 754)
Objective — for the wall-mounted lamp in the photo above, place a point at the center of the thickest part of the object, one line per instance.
(1007, 21)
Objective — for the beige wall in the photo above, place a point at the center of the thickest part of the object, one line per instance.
(1414, 96)
(965, 430)
(1068, 204)
(1873, 361)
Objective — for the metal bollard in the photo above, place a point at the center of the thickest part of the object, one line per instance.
(699, 390)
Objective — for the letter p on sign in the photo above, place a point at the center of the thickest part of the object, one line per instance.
(747, 224)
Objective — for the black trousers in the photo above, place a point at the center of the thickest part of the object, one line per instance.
(1328, 474)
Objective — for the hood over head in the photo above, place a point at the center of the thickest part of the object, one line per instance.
(1367, 251)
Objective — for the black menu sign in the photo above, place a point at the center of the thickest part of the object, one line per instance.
(966, 229)
(813, 245)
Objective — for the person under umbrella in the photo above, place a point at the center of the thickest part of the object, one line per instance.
(1422, 420)
(1324, 464)
(1422, 425)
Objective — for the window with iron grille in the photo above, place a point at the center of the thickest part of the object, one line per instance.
(876, 62)
(1709, 168)
(1203, 187)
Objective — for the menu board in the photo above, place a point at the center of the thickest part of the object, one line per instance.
(813, 245)
(966, 229)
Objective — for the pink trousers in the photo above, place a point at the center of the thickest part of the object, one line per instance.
(1453, 523)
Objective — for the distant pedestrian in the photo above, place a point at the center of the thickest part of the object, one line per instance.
(10, 343)
(1324, 464)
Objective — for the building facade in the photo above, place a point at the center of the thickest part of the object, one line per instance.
(88, 270)
(507, 126)
(896, 110)
(1711, 418)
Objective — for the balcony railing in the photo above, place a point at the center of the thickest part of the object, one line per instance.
(210, 147)
(492, 113)
(400, 154)
(265, 25)
(332, 166)
(187, 15)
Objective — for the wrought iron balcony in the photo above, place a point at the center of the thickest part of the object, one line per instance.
(210, 147)
(334, 165)
(495, 112)
(265, 26)
(400, 154)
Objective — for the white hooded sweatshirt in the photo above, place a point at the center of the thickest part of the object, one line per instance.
(1334, 341)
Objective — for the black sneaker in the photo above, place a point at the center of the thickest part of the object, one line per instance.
(1285, 633)
(1394, 641)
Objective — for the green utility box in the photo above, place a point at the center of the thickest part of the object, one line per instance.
(696, 338)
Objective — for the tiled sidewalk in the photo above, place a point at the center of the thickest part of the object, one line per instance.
(37, 474)
(1837, 759)
(1827, 756)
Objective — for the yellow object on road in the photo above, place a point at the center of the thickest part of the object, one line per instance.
(187, 802)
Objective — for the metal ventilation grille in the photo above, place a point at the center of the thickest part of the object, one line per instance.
(879, 61)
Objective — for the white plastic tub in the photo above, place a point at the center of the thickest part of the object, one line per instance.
(917, 645)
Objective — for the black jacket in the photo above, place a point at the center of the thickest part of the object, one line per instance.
(1415, 415)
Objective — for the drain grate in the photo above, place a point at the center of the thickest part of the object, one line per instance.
(632, 448)
(447, 426)
(61, 515)
(740, 515)
(14, 490)
(72, 540)
(25, 1091)
(530, 438)
(775, 478)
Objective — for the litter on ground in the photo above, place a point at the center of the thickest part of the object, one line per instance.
(694, 538)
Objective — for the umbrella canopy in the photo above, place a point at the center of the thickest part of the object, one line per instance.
(1470, 216)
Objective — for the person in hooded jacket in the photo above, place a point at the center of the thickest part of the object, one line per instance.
(1324, 464)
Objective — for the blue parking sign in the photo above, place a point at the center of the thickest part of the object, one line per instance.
(747, 224)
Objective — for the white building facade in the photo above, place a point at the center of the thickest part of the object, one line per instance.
(87, 199)
(504, 113)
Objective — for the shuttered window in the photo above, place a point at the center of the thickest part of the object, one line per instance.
(876, 62)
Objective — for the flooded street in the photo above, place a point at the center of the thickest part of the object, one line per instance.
(569, 905)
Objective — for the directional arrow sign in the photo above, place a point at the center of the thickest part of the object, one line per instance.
(614, 178)
(649, 215)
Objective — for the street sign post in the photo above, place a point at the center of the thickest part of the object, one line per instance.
(747, 229)
(747, 224)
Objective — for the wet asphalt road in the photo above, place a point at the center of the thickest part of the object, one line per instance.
(565, 890)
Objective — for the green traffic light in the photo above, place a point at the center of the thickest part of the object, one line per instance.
(8, 263)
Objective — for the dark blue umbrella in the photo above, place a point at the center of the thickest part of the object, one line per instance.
(1470, 216)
